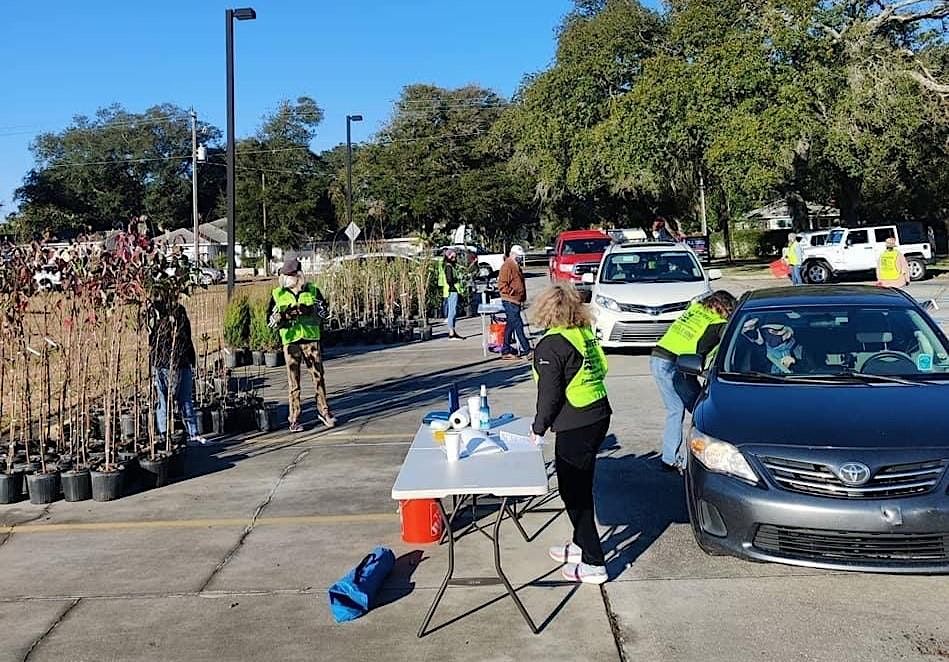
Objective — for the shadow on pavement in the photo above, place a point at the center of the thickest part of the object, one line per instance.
(399, 583)
(635, 502)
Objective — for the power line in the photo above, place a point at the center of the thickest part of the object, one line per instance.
(114, 161)
(107, 125)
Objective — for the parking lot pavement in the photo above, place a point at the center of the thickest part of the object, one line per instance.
(232, 563)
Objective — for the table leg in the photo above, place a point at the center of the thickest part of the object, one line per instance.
(512, 511)
(484, 335)
(448, 575)
(497, 565)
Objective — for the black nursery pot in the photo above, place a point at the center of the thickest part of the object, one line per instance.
(155, 472)
(44, 488)
(77, 485)
(176, 462)
(11, 487)
(257, 357)
(273, 359)
(107, 485)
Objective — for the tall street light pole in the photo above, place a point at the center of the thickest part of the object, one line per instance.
(194, 183)
(230, 15)
(349, 169)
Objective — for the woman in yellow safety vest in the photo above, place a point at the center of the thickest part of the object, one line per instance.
(570, 367)
(892, 269)
(697, 331)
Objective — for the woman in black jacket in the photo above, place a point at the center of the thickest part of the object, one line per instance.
(570, 369)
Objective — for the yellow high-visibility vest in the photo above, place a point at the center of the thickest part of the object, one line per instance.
(890, 265)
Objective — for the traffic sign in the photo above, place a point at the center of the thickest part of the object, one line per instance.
(352, 231)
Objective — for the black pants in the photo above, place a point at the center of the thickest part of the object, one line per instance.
(575, 455)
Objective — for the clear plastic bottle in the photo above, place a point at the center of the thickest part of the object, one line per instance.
(484, 412)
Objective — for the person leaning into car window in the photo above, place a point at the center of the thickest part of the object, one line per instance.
(570, 367)
(697, 331)
(782, 355)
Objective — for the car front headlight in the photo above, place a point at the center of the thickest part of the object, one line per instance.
(719, 456)
(606, 302)
(566, 268)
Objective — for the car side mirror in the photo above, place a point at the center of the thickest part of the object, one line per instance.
(587, 279)
(714, 274)
(690, 364)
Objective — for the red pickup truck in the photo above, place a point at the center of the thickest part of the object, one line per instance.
(577, 252)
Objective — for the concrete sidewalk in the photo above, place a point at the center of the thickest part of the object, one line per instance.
(232, 562)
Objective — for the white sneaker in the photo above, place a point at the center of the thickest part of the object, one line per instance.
(198, 440)
(566, 553)
(587, 574)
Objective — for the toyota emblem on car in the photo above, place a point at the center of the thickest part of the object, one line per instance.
(854, 473)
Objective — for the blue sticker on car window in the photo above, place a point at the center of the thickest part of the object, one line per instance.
(924, 362)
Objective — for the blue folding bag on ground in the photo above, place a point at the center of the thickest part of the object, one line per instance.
(353, 595)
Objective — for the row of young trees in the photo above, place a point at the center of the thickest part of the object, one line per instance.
(842, 102)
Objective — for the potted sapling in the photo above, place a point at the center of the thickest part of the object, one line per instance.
(236, 330)
(259, 332)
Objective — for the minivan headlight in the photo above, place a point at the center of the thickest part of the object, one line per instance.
(608, 303)
(719, 456)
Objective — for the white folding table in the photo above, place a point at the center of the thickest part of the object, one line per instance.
(426, 474)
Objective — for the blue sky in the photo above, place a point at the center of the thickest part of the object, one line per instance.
(62, 58)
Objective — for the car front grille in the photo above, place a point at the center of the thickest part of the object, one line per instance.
(643, 332)
(898, 480)
(586, 268)
(654, 310)
(818, 544)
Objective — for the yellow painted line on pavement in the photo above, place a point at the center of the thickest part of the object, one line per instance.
(355, 518)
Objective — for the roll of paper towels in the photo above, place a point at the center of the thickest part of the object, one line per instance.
(459, 420)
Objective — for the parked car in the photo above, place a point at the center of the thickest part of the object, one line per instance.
(639, 290)
(484, 265)
(854, 250)
(210, 275)
(577, 252)
(699, 245)
(837, 458)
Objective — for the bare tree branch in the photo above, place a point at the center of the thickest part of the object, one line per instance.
(928, 82)
(892, 14)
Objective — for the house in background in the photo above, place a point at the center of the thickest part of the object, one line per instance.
(778, 216)
(212, 242)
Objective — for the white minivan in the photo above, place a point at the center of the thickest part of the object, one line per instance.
(640, 289)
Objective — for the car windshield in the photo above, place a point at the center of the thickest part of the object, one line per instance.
(838, 341)
(651, 267)
(580, 246)
(835, 237)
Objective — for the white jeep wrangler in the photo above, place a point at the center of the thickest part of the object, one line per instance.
(849, 250)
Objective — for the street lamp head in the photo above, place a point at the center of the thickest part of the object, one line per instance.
(354, 118)
(244, 14)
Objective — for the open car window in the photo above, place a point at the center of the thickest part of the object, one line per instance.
(821, 341)
(651, 267)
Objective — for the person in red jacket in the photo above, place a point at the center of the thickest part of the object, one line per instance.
(513, 291)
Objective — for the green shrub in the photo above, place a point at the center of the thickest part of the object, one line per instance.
(262, 337)
(237, 322)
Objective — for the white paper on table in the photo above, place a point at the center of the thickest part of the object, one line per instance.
(479, 442)
(519, 442)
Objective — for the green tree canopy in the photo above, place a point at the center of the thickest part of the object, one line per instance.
(101, 171)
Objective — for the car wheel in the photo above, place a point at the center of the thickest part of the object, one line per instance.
(817, 273)
(917, 268)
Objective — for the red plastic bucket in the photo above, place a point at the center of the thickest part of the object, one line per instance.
(496, 333)
(421, 521)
